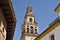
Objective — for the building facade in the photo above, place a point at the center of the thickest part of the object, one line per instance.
(7, 20)
(3, 26)
(30, 26)
(53, 32)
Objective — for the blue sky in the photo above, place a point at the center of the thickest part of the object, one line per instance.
(43, 11)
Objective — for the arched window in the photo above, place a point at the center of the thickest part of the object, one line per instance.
(35, 31)
(35, 27)
(27, 26)
(31, 29)
(30, 10)
(30, 19)
(27, 30)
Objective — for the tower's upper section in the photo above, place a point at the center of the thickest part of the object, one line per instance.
(29, 16)
(29, 11)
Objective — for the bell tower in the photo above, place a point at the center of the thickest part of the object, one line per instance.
(30, 26)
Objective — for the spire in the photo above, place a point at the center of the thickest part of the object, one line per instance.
(29, 10)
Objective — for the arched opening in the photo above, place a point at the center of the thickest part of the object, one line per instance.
(31, 29)
(30, 19)
(27, 30)
(35, 31)
(27, 26)
(30, 10)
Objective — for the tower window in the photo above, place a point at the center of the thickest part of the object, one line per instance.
(35, 27)
(52, 37)
(30, 19)
(27, 30)
(27, 26)
(35, 31)
(30, 10)
(31, 29)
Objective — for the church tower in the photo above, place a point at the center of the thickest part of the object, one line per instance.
(30, 26)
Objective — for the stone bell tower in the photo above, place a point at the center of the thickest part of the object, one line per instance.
(30, 26)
